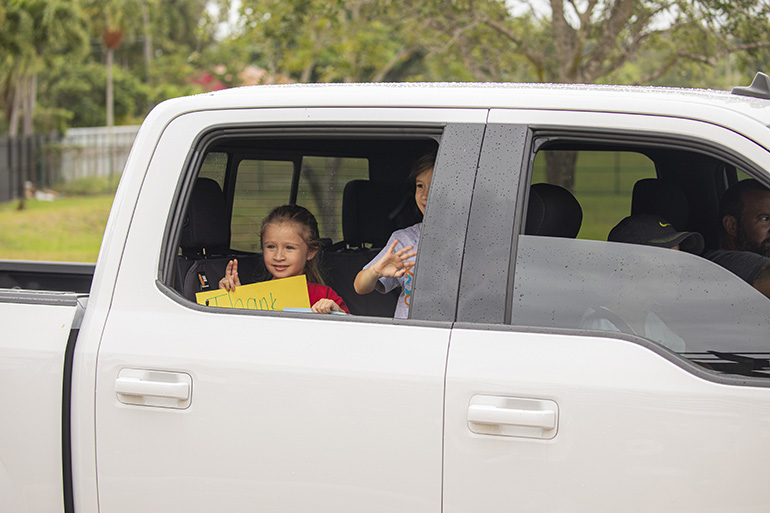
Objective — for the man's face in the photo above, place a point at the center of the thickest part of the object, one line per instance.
(753, 228)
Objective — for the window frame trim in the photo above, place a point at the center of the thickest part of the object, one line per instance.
(430, 313)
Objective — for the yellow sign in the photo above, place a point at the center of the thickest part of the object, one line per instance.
(266, 295)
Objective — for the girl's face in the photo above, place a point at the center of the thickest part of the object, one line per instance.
(286, 252)
(422, 183)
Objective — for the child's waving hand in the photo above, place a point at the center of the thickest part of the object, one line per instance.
(231, 280)
(391, 265)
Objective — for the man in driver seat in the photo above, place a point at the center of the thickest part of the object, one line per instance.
(744, 246)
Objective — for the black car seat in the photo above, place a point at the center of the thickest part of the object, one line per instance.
(206, 227)
(204, 243)
(552, 212)
(371, 212)
(662, 198)
(368, 213)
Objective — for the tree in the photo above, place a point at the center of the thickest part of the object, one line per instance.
(80, 88)
(38, 35)
(587, 41)
(15, 53)
(594, 41)
(332, 41)
(34, 32)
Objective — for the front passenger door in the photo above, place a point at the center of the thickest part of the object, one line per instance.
(543, 414)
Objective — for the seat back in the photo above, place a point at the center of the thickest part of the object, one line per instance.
(661, 198)
(371, 212)
(553, 212)
(205, 242)
(368, 212)
(340, 269)
(204, 274)
(206, 227)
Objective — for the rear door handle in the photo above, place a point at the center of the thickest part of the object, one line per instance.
(485, 414)
(154, 388)
(132, 386)
(513, 416)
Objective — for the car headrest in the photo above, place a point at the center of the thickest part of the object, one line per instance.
(207, 223)
(661, 198)
(366, 212)
(553, 212)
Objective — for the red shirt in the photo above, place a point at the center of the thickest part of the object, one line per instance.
(317, 291)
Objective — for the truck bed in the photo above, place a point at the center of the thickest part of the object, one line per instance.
(53, 276)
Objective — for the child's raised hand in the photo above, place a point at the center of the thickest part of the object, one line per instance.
(230, 281)
(393, 263)
(325, 305)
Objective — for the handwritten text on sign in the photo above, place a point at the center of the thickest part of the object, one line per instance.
(266, 295)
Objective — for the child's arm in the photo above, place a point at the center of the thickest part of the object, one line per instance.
(390, 265)
(230, 281)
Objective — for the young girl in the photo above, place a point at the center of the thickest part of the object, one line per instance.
(394, 265)
(290, 243)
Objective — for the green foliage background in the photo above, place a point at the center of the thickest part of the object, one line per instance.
(168, 46)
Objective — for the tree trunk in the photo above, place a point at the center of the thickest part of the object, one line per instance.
(15, 114)
(560, 168)
(333, 196)
(307, 72)
(110, 94)
(29, 99)
(326, 192)
(110, 109)
(147, 40)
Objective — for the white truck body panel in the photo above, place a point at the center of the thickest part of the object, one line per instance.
(660, 443)
(31, 367)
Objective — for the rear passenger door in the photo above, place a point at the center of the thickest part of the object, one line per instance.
(211, 409)
(547, 413)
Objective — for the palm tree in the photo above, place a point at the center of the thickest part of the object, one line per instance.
(34, 30)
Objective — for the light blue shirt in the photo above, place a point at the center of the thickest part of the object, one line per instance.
(407, 237)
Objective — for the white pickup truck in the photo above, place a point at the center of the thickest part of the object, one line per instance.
(494, 395)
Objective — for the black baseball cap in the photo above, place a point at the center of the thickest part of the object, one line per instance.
(652, 230)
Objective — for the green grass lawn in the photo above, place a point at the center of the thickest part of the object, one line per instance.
(65, 230)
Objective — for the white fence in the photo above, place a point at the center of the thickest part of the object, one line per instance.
(97, 151)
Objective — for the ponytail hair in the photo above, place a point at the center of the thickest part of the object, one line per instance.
(308, 229)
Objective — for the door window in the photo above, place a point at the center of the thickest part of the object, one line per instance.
(602, 182)
(322, 181)
(260, 185)
(677, 300)
(241, 178)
